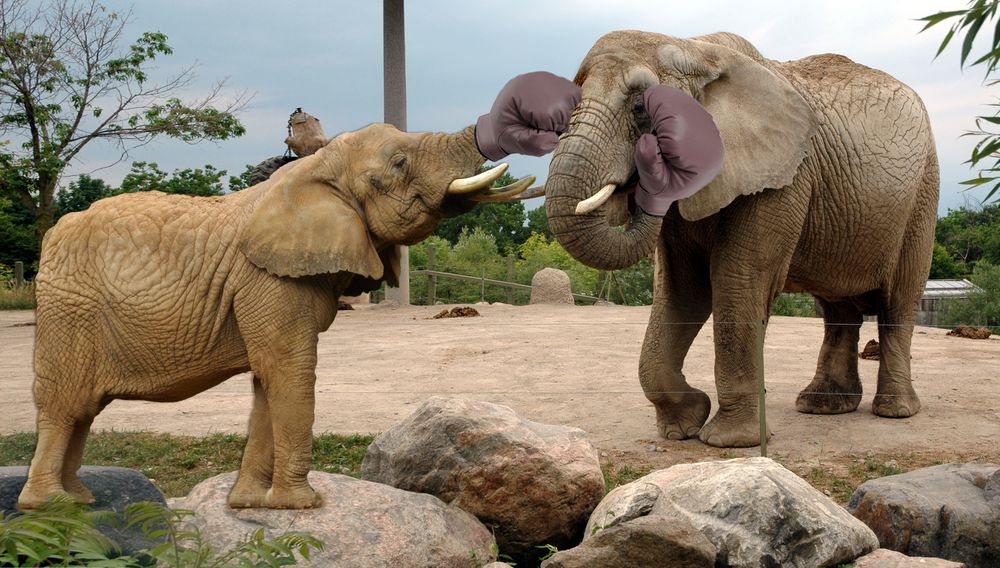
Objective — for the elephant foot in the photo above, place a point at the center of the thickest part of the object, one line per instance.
(683, 418)
(248, 495)
(78, 491)
(732, 430)
(302, 497)
(897, 402)
(32, 498)
(824, 396)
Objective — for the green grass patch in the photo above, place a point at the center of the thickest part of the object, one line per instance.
(178, 463)
(17, 297)
(840, 484)
(615, 474)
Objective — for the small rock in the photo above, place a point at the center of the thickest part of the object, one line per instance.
(644, 541)
(885, 558)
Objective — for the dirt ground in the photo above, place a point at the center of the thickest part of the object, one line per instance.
(577, 366)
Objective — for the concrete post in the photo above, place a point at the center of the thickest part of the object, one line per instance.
(394, 87)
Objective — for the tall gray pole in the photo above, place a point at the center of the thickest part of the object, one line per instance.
(394, 82)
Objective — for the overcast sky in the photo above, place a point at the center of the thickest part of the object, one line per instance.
(326, 57)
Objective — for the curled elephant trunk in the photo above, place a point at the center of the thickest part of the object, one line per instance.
(580, 168)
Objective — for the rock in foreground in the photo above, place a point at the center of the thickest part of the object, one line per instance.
(754, 511)
(536, 482)
(949, 511)
(362, 524)
(114, 488)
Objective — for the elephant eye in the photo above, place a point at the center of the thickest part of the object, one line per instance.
(399, 163)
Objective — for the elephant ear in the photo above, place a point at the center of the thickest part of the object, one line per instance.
(765, 124)
(390, 264)
(302, 226)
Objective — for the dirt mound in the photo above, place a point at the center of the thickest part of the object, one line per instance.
(871, 351)
(969, 332)
(342, 305)
(460, 312)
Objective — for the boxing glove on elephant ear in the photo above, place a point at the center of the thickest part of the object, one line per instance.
(682, 155)
(528, 116)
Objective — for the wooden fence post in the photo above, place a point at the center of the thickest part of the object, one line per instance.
(18, 273)
(482, 284)
(431, 279)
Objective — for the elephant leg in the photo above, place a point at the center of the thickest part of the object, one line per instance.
(256, 470)
(63, 423)
(46, 471)
(284, 361)
(894, 394)
(73, 461)
(836, 387)
(682, 305)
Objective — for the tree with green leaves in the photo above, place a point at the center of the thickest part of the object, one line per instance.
(966, 24)
(81, 192)
(538, 222)
(504, 221)
(67, 80)
(970, 235)
(147, 176)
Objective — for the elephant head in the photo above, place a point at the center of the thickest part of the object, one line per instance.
(764, 122)
(345, 206)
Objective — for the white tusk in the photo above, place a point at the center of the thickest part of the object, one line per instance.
(595, 201)
(537, 191)
(478, 181)
(506, 192)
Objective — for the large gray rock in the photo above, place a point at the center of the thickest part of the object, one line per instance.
(551, 286)
(114, 488)
(362, 524)
(885, 558)
(754, 511)
(950, 511)
(644, 542)
(536, 482)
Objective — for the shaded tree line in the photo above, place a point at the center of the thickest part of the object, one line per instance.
(18, 224)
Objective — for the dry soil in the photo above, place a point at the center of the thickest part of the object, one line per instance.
(574, 365)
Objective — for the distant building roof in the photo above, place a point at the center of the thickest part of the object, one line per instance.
(957, 288)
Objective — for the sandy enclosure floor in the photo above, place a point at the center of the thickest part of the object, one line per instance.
(571, 365)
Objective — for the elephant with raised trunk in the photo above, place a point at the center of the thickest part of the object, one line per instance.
(158, 297)
(829, 185)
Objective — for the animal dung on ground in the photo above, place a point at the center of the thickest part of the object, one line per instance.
(458, 312)
(969, 332)
(871, 351)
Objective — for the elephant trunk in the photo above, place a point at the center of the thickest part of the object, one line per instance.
(582, 164)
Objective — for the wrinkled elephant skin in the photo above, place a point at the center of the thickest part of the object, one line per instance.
(829, 186)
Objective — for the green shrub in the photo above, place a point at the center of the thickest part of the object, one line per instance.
(981, 308)
(14, 297)
(797, 305)
(64, 533)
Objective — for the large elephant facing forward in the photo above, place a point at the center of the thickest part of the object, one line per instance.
(158, 297)
(829, 186)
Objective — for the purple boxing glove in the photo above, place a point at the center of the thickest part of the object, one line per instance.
(682, 156)
(528, 116)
